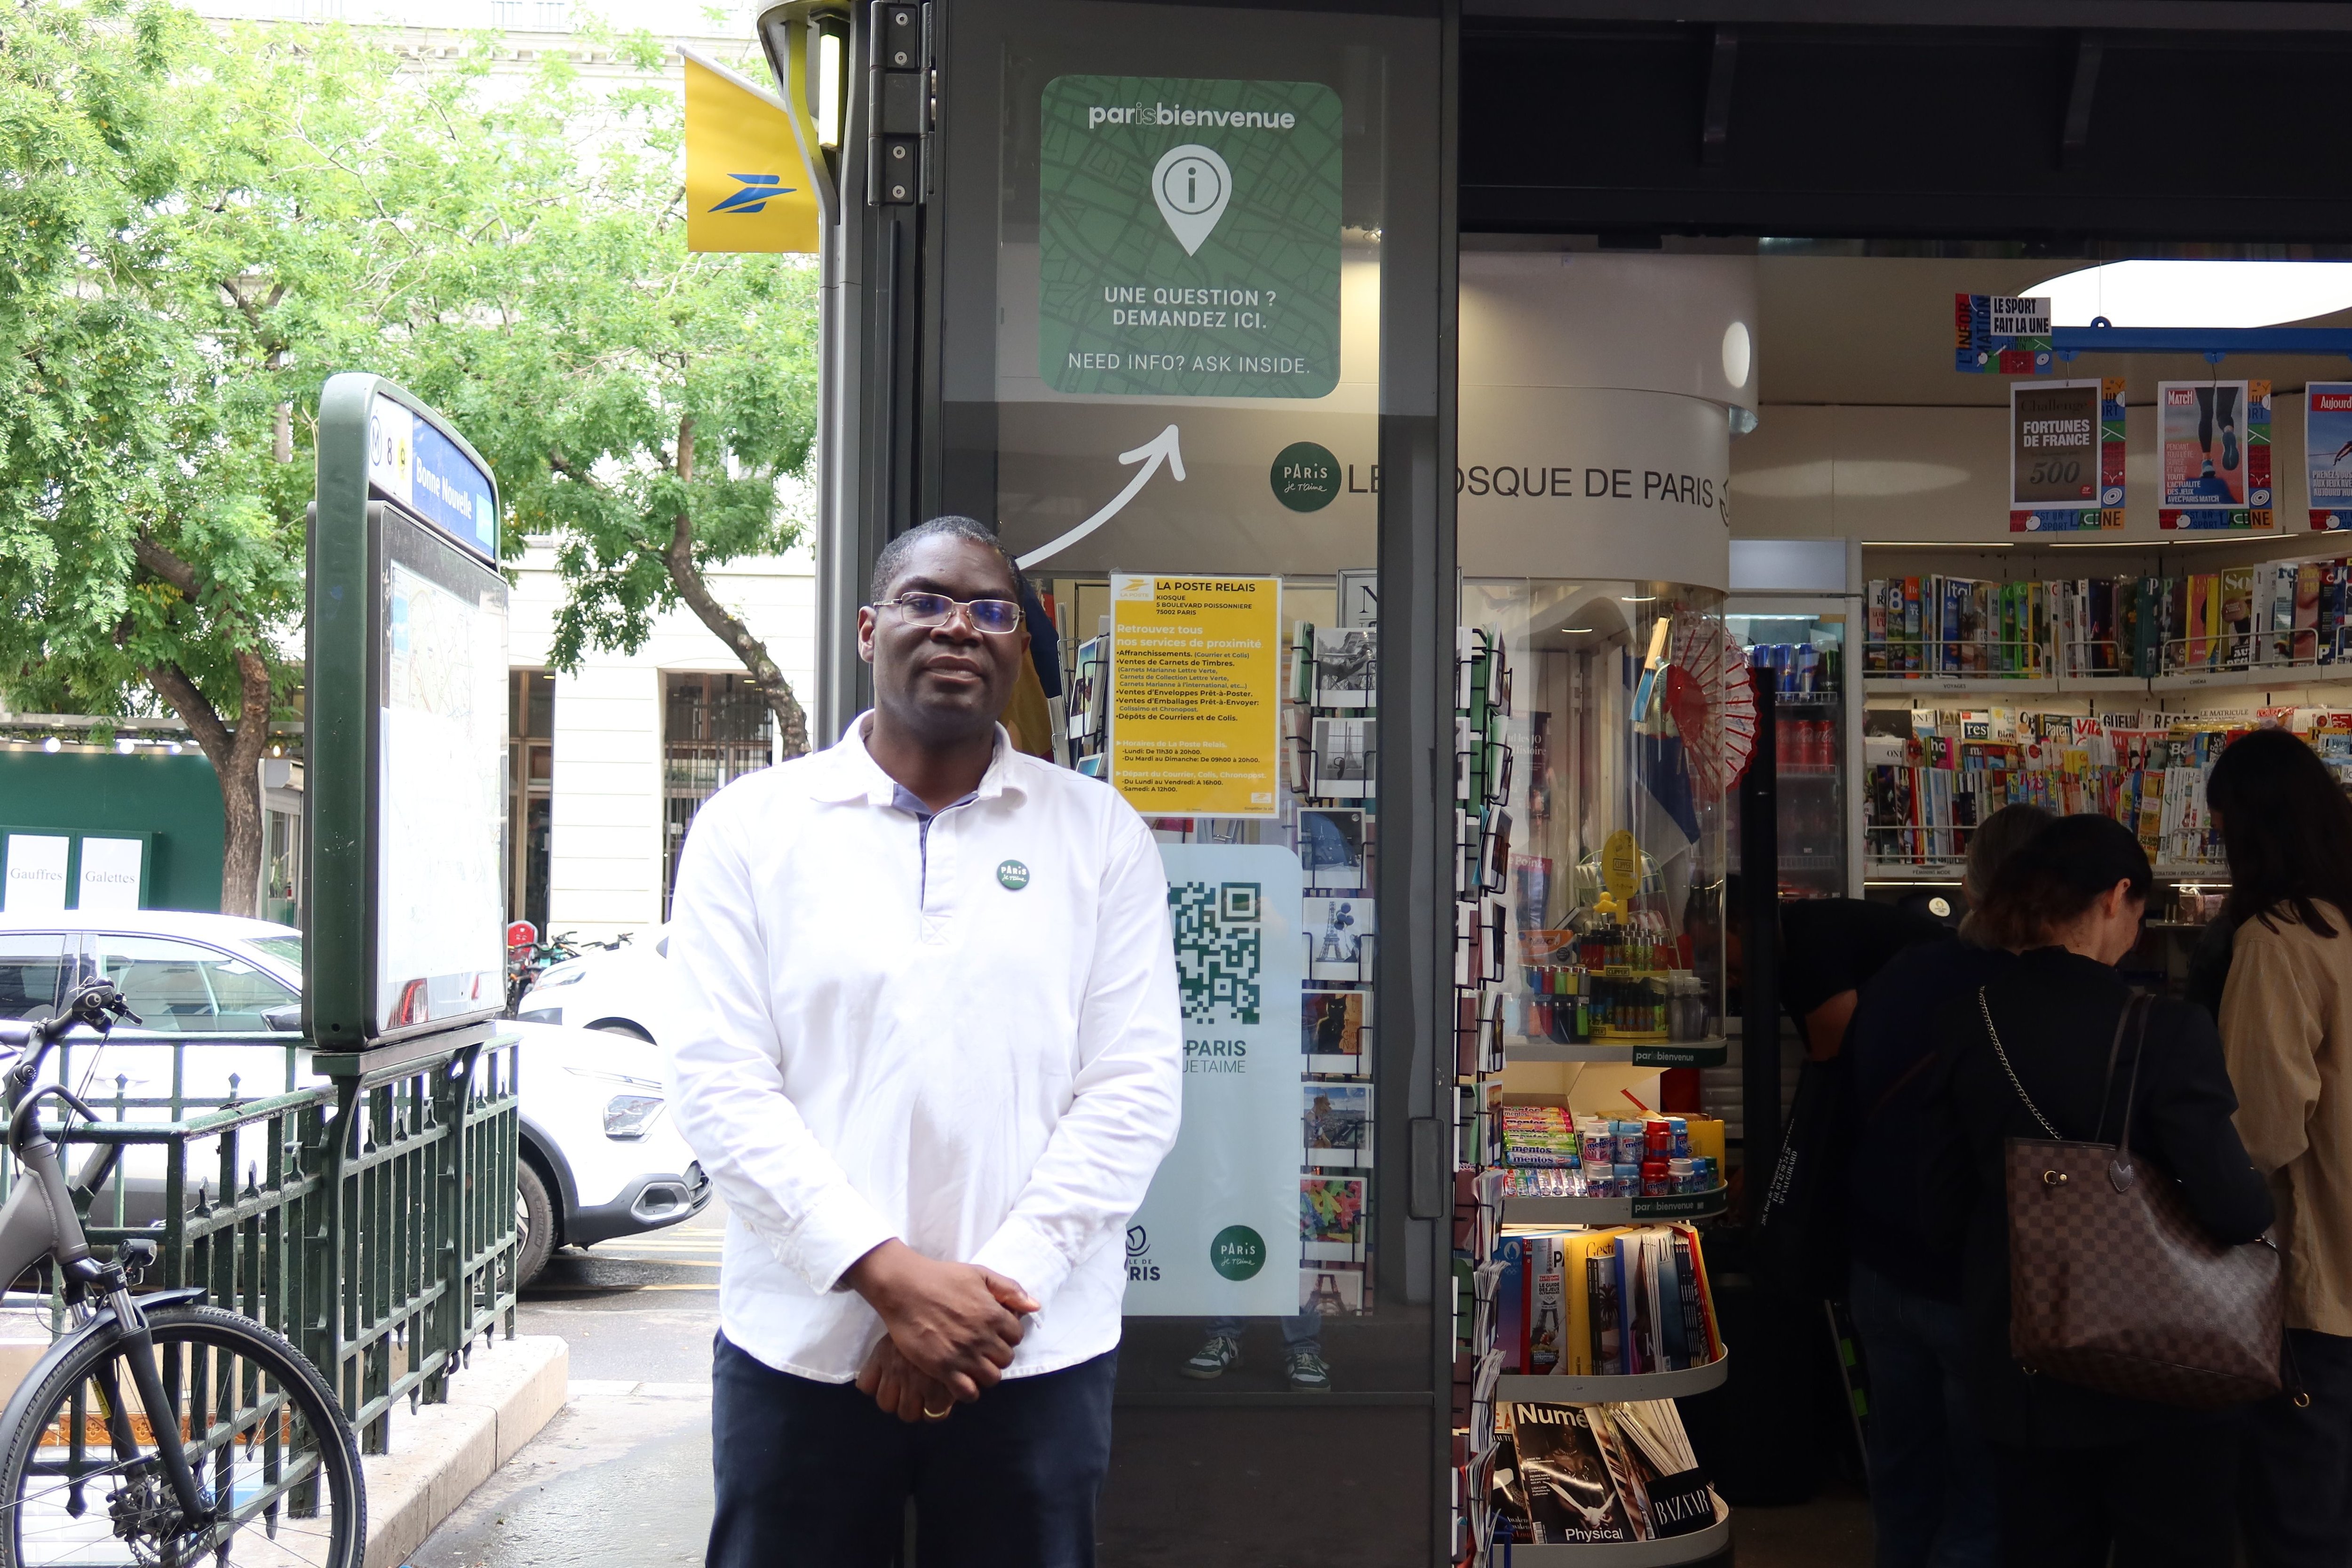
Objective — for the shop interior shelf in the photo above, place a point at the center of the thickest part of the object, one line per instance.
(1566, 1390)
(2211, 875)
(1707, 1053)
(2258, 675)
(1532, 1210)
(2022, 685)
(2120, 686)
(1696, 1547)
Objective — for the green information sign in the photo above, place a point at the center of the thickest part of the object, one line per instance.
(1189, 238)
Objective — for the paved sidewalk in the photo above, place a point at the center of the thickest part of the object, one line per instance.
(621, 1476)
(439, 1453)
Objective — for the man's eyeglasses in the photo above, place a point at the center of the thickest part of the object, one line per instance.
(994, 616)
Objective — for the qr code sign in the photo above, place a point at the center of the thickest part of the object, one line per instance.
(1218, 950)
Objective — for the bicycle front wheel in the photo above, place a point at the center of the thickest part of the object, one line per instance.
(84, 1485)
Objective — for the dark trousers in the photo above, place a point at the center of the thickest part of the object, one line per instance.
(2163, 1502)
(1931, 1489)
(815, 1473)
(2295, 1494)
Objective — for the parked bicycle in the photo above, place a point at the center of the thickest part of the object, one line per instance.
(158, 1432)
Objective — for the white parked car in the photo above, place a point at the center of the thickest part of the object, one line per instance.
(622, 990)
(600, 1157)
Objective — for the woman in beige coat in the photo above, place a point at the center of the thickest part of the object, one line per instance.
(2286, 1032)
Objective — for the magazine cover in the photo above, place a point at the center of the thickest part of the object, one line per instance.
(1511, 1303)
(2306, 613)
(1507, 1491)
(1331, 1031)
(1347, 666)
(1531, 885)
(1637, 1301)
(1603, 1289)
(1331, 1219)
(2200, 442)
(1563, 1477)
(1547, 1304)
(1338, 1124)
(2238, 616)
(1630, 1474)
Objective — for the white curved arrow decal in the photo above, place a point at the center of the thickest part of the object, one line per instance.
(1162, 446)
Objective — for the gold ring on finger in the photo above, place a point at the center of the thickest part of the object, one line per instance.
(931, 1415)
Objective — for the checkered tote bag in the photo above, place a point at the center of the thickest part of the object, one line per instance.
(2113, 1283)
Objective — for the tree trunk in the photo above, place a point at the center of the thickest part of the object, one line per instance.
(236, 768)
(792, 724)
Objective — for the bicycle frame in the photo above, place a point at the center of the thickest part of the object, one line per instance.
(39, 1220)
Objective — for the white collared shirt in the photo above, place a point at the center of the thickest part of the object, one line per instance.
(981, 1056)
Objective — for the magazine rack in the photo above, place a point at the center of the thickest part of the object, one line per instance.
(1608, 868)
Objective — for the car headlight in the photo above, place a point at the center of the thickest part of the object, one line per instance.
(629, 1115)
(561, 974)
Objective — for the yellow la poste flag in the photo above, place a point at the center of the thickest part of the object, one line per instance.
(746, 185)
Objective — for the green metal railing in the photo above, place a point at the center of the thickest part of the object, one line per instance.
(370, 1218)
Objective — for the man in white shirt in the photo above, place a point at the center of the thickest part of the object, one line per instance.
(931, 1056)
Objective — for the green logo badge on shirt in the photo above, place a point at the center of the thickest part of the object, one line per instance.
(1014, 875)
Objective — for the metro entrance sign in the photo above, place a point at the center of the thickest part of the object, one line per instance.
(1189, 238)
(404, 724)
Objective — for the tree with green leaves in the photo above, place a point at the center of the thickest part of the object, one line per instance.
(203, 225)
(148, 537)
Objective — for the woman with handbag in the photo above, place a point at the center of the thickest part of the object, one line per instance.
(2286, 1028)
(2072, 1118)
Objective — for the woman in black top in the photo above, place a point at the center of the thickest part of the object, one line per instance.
(2080, 1472)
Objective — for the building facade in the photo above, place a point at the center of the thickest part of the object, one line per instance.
(617, 755)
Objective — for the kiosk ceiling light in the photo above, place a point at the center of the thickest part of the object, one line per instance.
(2198, 293)
(1639, 598)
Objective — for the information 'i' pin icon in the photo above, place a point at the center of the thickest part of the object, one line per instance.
(1192, 186)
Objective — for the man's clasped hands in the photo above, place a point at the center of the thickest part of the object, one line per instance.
(949, 1330)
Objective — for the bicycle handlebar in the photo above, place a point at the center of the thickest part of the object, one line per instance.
(95, 1004)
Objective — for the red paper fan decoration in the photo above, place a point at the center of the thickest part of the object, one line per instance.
(1712, 701)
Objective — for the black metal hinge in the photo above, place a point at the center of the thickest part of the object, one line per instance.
(900, 108)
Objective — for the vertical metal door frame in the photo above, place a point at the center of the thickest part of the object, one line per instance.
(887, 454)
(1420, 606)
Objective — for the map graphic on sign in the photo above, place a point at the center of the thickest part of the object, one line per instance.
(1189, 238)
